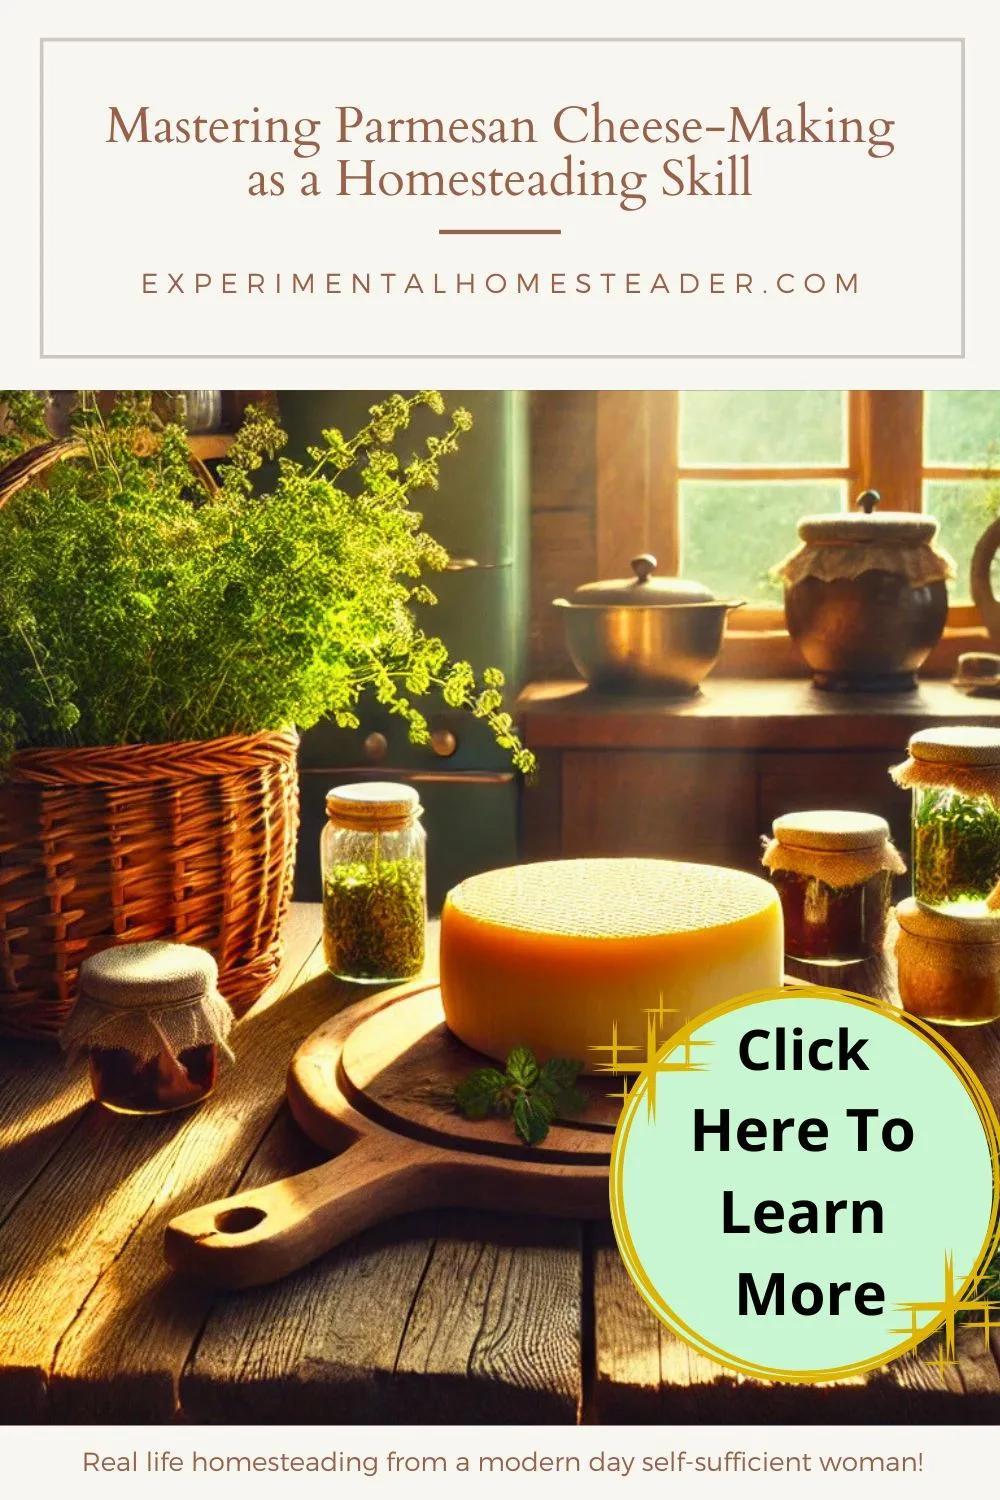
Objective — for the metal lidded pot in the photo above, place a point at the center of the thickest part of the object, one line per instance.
(645, 634)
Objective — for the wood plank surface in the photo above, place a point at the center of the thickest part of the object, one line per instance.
(562, 557)
(40, 1106)
(93, 1327)
(449, 1317)
(563, 526)
(87, 1318)
(636, 481)
(126, 1348)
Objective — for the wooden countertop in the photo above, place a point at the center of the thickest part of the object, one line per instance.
(445, 1316)
(743, 714)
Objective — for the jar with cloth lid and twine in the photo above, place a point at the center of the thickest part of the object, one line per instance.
(833, 872)
(948, 967)
(866, 596)
(373, 857)
(954, 774)
(152, 1022)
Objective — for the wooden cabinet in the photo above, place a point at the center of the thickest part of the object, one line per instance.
(702, 779)
(856, 779)
(677, 803)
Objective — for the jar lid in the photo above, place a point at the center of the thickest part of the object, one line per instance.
(830, 829)
(899, 527)
(923, 921)
(957, 745)
(891, 527)
(375, 805)
(148, 975)
(643, 588)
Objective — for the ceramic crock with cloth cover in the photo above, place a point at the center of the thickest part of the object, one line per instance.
(866, 596)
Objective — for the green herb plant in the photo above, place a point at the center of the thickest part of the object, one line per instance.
(531, 1094)
(22, 423)
(136, 608)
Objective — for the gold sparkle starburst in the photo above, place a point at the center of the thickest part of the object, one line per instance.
(651, 1065)
(951, 1304)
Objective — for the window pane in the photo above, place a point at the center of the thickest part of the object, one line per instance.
(962, 427)
(763, 428)
(964, 510)
(733, 534)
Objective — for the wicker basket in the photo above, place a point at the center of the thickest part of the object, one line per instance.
(193, 842)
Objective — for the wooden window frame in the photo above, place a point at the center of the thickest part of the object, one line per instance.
(638, 477)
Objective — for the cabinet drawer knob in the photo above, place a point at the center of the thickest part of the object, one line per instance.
(443, 742)
(375, 746)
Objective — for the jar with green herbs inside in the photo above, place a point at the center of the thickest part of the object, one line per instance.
(954, 774)
(373, 855)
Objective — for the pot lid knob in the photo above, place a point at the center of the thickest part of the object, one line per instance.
(642, 566)
(868, 501)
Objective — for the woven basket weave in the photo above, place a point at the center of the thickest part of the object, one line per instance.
(193, 842)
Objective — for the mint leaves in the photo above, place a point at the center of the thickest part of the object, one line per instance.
(531, 1094)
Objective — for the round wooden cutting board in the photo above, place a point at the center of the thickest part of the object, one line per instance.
(401, 1066)
(375, 1084)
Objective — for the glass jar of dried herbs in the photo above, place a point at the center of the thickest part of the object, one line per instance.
(373, 854)
(954, 774)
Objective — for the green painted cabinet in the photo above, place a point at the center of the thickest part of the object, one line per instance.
(480, 515)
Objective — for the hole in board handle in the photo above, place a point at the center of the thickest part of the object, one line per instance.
(239, 1220)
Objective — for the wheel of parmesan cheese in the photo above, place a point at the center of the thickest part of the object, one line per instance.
(553, 956)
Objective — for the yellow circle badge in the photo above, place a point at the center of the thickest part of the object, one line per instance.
(803, 1187)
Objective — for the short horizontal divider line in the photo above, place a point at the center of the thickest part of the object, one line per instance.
(499, 231)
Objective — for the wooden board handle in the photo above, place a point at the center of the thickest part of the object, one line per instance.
(264, 1233)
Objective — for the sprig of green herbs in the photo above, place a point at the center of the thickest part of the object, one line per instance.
(531, 1094)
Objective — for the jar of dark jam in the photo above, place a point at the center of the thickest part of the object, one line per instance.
(134, 1085)
(152, 1023)
(833, 873)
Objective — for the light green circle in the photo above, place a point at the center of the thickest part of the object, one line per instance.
(938, 1198)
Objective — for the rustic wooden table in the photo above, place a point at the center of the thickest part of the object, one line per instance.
(438, 1317)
